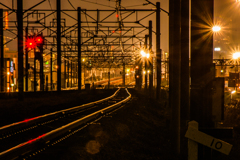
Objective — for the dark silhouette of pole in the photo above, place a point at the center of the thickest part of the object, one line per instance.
(1, 52)
(79, 51)
(26, 60)
(20, 48)
(34, 72)
(174, 71)
(68, 66)
(41, 68)
(145, 60)
(58, 45)
(123, 76)
(71, 73)
(202, 68)
(65, 68)
(151, 60)
(184, 84)
(51, 70)
(109, 78)
(46, 82)
(158, 51)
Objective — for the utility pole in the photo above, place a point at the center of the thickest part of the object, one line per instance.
(20, 48)
(145, 60)
(51, 69)
(185, 82)
(71, 73)
(151, 59)
(202, 71)
(79, 50)
(34, 71)
(1, 52)
(174, 71)
(58, 45)
(26, 60)
(202, 68)
(158, 51)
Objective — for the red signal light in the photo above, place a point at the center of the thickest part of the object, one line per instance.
(39, 39)
(30, 43)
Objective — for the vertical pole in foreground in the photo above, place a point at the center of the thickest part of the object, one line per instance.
(20, 48)
(65, 69)
(158, 51)
(68, 66)
(184, 75)
(71, 73)
(1, 52)
(174, 71)
(151, 60)
(145, 60)
(79, 51)
(26, 60)
(51, 70)
(58, 45)
(124, 83)
(34, 71)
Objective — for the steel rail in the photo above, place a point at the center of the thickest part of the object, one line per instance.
(28, 146)
(27, 122)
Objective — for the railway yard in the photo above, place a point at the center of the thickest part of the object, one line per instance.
(137, 129)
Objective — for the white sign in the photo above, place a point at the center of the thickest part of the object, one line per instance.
(209, 141)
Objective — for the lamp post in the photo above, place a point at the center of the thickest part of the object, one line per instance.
(145, 56)
(234, 91)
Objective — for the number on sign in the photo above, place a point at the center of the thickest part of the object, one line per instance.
(218, 144)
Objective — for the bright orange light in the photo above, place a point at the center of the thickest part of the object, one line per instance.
(8, 88)
(147, 55)
(6, 20)
(143, 53)
(8, 73)
(137, 67)
(117, 15)
(236, 55)
(113, 31)
(216, 28)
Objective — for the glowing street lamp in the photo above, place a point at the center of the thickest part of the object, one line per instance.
(232, 93)
(216, 28)
(236, 55)
(144, 54)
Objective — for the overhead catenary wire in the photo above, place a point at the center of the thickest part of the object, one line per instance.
(97, 3)
(51, 7)
(71, 5)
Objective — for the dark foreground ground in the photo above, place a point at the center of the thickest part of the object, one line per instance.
(136, 131)
(139, 130)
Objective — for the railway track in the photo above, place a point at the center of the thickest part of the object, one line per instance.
(21, 138)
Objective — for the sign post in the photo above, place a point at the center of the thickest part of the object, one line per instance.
(195, 136)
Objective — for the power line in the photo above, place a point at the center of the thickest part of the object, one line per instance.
(97, 3)
(71, 4)
(51, 7)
